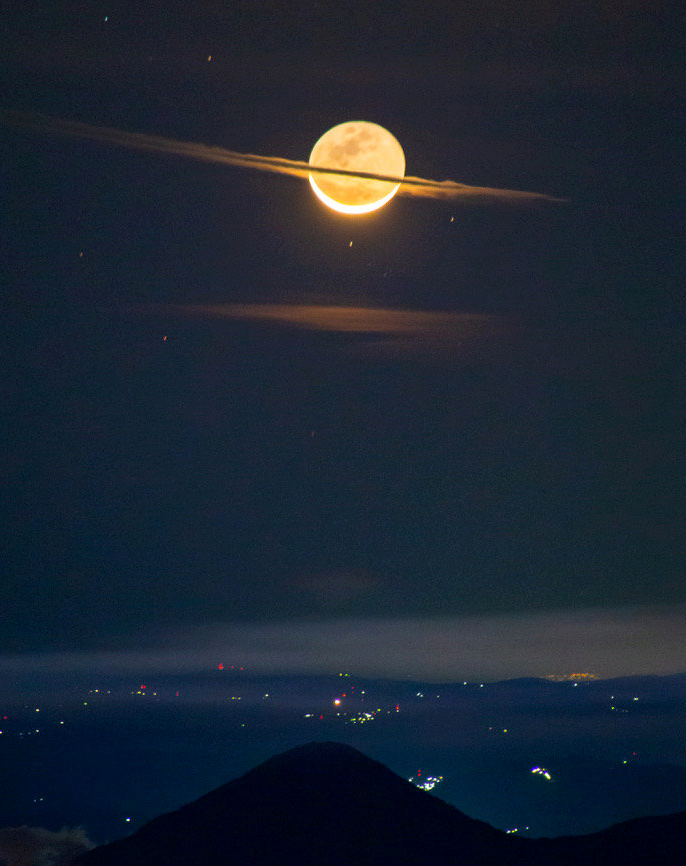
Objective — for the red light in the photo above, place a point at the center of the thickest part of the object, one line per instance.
(142, 687)
(221, 666)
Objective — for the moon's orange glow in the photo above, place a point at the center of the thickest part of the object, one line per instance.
(357, 146)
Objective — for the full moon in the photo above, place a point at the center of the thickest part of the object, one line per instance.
(357, 146)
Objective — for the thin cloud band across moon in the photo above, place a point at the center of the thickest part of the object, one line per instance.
(354, 168)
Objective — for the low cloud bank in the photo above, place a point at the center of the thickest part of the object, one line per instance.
(608, 642)
(35, 846)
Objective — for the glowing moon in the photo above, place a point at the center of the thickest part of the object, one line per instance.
(357, 146)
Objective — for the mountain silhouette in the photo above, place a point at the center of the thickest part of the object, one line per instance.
(327, 804)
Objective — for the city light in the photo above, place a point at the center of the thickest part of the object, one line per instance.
(427, 784)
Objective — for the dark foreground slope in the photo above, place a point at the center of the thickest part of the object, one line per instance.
(655, 841)
(326, 804)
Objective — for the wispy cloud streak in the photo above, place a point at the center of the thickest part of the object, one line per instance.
(410, 186)
(384, 332)
(341, 319)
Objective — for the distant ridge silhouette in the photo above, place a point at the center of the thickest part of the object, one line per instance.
(327, 804)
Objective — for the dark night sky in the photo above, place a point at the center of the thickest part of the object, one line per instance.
(173, 472)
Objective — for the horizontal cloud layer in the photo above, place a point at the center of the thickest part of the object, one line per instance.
(607, 642)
